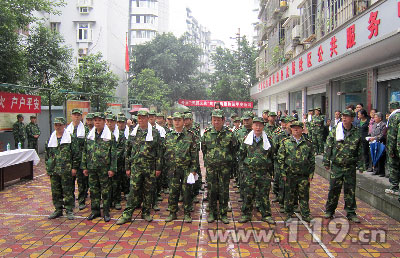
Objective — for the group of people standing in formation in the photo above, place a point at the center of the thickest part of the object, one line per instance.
(109, 157)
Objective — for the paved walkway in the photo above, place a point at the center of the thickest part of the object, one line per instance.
(25, 231)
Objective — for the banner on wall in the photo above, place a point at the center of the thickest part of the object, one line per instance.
(211, 103)
(82, 105)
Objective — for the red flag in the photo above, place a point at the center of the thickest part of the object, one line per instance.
(126, 56)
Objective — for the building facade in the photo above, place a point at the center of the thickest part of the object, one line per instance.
(328, 54)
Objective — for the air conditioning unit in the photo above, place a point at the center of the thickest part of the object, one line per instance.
(296, 32)
(82, 51)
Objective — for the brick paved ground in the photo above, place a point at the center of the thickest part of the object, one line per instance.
(25, 230)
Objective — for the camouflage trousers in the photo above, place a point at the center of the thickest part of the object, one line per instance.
(21, 140)
(345, 176)
(116, 185)
(62, 191)
(257, 185)
(83, 186)
(100, 188)
(157, 188)
(141, 189)
(178, 184)
(297, 188)
(218, 187)
(394, 172)
(197, 185)
(33, 144)
(318, 140)
(277, 178)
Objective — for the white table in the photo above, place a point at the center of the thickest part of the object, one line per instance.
(16, 164)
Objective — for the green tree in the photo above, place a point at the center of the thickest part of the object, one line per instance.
(93, 76)
(175, 62)
(48, 62)
(16, 15)
(150, 89)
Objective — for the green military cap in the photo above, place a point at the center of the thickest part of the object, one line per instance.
(169, 117)
(290, 119)
(187, 111)
(33, 116)
(89, 116)
(234, 115)
(121, 119)
(160, 115)
(142, 113)
(297, 123)
(394, 105)
(111, 117)
(247, 115)
(271, 114)
(236, 118)
(318, 108)
(134, 117)
(121, 114)
(177, 115)
(258, 119)
(76, 111)
(265, 111)
(99, 115)
(188, 115)
(217, 113)
(348, 113)
(106, 113)
(310, 109)
(283, 119)
(60, 120)
(152, 112)
(19, 115)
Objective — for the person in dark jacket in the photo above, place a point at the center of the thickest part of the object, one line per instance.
(378, 133)
(363, 127)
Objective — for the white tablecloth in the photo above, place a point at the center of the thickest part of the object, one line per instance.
(13, 157)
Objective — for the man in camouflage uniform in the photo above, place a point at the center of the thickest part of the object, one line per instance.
(89, 122)
(265, 116)
(99, 162)
(236, 123)
(308, 123)
(342, 153)
(393, 147)
(77, 129)
(19, 131)
(271, 126)
(120, 177)
(247, 119)
(317, 124)
(143, 165)
(62, 161)
(218, 145)
(163, 185)
(170, 123)
(32, 133)
(256, 153)
(297, 164)
(181, 158)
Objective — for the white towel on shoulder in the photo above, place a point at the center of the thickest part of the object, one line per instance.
(309, 118)
(250, 137)
(53, 143)
(161, 130)
(339, 132)
(80, 132)
(116, 133)
(394, 112)
(126, 132)
(149, 136)
(105, 135)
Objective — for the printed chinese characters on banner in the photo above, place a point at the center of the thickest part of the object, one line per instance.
(19, 103)
(211, 103)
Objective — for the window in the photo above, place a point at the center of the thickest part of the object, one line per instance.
(143, 34)
(55, 26)
(144, 3)
(137, 18)
(84, 32)
(84, 9)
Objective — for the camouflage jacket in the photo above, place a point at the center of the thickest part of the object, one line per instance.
(31, 130)
(255, 157)
(180, 150)
(241, 134)
(296, 158)
(269, 129)
(63, 158)
(317, 123)
(99, 153)
(345, 153)
(197, 136)
(120, 147)
(393, 136)
(19, 130)
(278, 138)
(218, 147)
(142, 153)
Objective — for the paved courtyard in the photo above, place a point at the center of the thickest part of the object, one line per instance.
(25, 230)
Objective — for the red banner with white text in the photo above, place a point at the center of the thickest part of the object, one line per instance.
(19, 103)
(211, 103)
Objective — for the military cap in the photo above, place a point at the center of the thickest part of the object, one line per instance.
(19, 115)
(111, 117)
(142, 113)
(271, 114)
(297, 123)
(236, 118)
(89, 116)
(177, 115)
(217, 113)
(283, 119)
(152, 112)
(134, 118)
(247, 115)
(106, 113)
(76, 110)
(348, 113)
(258, 119)
(318, 108)
(99, 115)
(188, 111)
(59, 120)
(290, 119)
(160, 115)
(121, 119)
(265, 111)
(169, 117)
(33, 116)
(394, 105)
(310, 109)
(121, 114)
(188, 115)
